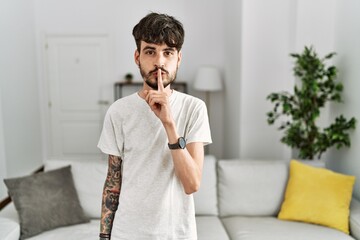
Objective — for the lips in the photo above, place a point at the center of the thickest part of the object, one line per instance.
(155, 74)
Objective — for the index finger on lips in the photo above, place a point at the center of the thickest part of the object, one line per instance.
(160, 82)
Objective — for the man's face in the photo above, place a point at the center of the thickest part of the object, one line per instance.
(154, 56)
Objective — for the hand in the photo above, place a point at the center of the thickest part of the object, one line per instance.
(159, 101)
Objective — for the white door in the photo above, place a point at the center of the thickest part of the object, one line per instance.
(81, 89)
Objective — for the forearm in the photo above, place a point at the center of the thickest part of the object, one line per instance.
(187, 162)
(188, 171)
(107, 212)
(110, 197)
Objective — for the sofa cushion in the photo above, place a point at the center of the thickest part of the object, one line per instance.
(9, 223)
(89, 177)
(318, 195)
(251, 187)
(206, 198)
(9, 229)
(271, 228)
(210, 228)
(45, 201)
(83, 231)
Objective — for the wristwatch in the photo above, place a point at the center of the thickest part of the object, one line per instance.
(181, 144)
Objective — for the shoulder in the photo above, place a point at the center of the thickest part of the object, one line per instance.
(122, 108)
(120, 105)
(189, 100)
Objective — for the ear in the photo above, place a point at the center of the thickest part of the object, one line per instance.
(136, 57)
(179, 58)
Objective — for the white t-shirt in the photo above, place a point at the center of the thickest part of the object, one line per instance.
(152, 204)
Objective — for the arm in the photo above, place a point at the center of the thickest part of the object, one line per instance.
(188, 162)
(110, 197)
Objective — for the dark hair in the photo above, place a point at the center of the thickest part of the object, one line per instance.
(159, 28)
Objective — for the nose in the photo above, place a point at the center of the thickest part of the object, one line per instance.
(160, 61)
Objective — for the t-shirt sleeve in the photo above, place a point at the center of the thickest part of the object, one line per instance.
(199, 128)
(110, 141)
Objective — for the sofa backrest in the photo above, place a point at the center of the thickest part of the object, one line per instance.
(89, 177)
(251, 187)
(206, 198)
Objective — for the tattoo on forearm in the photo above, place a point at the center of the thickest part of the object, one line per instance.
(110, 200)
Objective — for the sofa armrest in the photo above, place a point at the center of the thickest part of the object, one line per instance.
(355, 218)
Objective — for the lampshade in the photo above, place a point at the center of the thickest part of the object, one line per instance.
(208, 79)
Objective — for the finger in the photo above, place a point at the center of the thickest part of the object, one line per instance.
(160, 82)
(146, 94)
(150, 94)
(156, 100)
(149, 98)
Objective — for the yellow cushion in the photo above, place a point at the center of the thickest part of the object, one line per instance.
(317, 195)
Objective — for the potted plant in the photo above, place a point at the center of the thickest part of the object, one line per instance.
(128, 78)
(299, 111)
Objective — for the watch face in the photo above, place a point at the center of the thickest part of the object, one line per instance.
(182, 142)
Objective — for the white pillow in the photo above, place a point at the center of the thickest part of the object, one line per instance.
(206, 198)
(89, 177)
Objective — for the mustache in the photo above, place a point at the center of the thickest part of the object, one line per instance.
(156, 69)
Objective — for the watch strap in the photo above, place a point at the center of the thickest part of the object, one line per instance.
(180, 144)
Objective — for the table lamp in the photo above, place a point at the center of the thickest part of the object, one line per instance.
(208, 80)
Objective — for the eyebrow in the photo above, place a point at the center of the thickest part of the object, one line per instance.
(170, 49)
(149, 48)
(173, 49)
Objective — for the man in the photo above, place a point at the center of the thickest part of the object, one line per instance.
(155, 141)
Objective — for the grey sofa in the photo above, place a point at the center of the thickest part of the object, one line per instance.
(238, 200)
(248, 195)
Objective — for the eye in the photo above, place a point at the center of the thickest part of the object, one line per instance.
(168, 53)
(149, 52)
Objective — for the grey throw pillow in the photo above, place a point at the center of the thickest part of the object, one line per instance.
(45, 201)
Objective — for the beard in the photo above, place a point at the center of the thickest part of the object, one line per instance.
(154, 85)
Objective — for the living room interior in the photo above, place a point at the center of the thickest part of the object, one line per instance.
(248, 41)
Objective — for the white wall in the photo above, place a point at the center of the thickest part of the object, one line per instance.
(347, 38)
(19, 89)
(271, 30)
(266, 44)
(315, 25)
(203, 41)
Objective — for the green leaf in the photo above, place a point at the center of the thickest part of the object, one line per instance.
(339, 87)
(330, 55)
